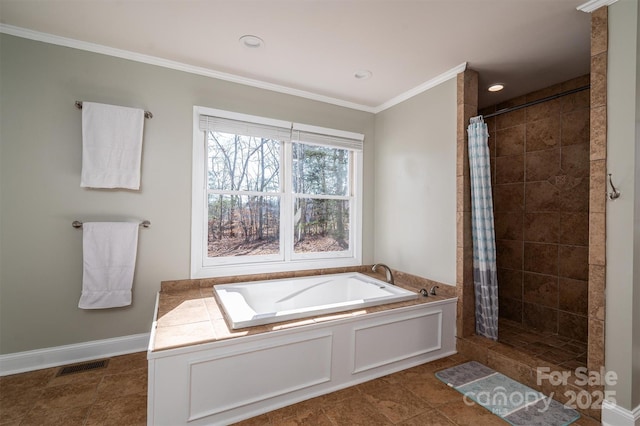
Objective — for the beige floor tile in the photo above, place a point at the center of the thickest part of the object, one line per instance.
(127, 410)
(116, 395)
(355, 411)
(117, 385)
(28, 380)
(311, 418)
(57, 417)
(395, 402)
(126, 363)
(428, 418)
(81, 394)
(432, 390)
(15, 403)
(463, 414)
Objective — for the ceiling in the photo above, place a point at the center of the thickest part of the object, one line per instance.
(314, 47)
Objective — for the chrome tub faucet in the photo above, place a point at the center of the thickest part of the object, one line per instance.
(387, 271)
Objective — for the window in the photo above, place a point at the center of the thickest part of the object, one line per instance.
(270, 195)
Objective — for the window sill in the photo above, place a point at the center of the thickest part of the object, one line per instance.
(199, 271)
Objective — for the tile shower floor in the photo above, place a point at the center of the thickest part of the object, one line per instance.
(549, 347)
(116, 395)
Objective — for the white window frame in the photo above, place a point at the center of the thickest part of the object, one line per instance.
(204, 267)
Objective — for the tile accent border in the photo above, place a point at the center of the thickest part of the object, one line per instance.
(413, 281)
(467, 101)
(597, 189)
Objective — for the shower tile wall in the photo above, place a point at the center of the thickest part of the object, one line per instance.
(540, 166)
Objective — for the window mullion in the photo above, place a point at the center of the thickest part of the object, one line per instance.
(247, 193)
(323, 197)
(205, 196)
(286, 207)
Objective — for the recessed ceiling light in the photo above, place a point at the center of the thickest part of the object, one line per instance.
(496, 87)
(251, 41)
(363, 74)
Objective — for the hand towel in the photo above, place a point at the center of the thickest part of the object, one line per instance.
(109, 258)
(111, 146)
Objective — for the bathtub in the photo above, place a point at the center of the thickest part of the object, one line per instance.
(224, 381)
(266, 302)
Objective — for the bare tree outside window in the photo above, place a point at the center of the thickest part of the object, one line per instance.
(321, 206)
(273, 195)
(245, 192)
(243, 195)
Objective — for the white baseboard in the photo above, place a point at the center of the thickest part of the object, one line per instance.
(613, 415)
(21, 362)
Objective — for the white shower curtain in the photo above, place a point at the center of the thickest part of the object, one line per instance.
(484, 243)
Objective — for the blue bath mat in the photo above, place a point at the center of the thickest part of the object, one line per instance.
(512, 401)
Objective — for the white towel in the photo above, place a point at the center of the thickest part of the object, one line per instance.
(109, 258)
(111, 146)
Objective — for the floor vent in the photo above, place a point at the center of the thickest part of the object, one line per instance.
(81, 368)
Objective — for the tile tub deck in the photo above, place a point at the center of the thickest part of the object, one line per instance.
(189, 314)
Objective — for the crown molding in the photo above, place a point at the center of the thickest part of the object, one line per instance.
(206, 72)
(453, 72)
(179, 66)
(593, 5)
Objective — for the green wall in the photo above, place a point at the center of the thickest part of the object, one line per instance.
(415, 184)
(40, 194)
(622, 334)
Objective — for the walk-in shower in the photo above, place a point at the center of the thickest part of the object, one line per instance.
(539, 147)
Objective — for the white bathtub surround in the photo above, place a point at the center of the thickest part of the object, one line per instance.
(270, 301)
(202, 372)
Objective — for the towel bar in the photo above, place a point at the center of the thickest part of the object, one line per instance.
(77, 224)
(147, 114)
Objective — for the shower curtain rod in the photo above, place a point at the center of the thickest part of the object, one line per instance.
(539, 101)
